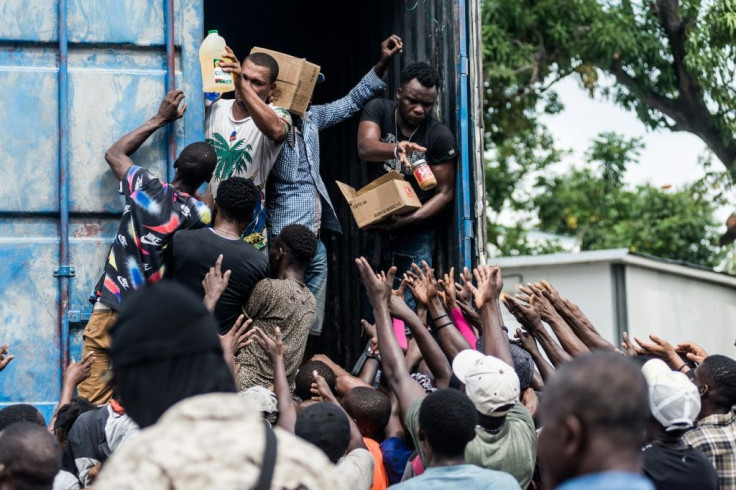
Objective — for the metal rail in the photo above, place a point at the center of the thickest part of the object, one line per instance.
(170, 84)
(65, 271)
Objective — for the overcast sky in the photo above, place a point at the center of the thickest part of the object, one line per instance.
(668, 158)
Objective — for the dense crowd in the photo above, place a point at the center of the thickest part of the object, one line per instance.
(196, 371)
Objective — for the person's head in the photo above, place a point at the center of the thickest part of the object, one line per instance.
(165, 348)
(326, 426)
(295, 246)
(236, 199)
(417, 92)
(715, 379)
(30, 457)
(305, 377)
(196, 163)
(265, 400)
(594, 415)
(674, 402)
(20, 412)
(370, 409)
(491, 384)
(447, 420)
(67, 415)
(260, 70)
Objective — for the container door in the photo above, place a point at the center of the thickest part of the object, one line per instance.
(75, 76)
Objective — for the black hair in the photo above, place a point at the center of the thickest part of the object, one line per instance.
(448, 419)
(423, 72)
(370, 409)
(237, 198)
(300, 243)
(68, 414)
(196, 163)
(304, 378)
(265, 59)
(29, 455)
(326, 426)
(20, 412)
(721, 371)
(606, 391)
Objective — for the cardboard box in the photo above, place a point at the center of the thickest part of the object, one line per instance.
(295, 83)
(387, 195)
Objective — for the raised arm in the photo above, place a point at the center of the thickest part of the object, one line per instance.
(529, 318)
(431, 352)
(423, 286)
(568, 338)
(487, 299)
(214, 284)
(249, 103)
(320, 387)
(75, 373)
(392, 358)
(529, 344)
(575, 317)
(118, 155)
(370, 86)
(274, 349)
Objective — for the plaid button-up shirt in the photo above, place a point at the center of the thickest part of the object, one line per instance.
(295, 190)
(715, 436)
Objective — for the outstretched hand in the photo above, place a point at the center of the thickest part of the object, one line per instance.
(658, 347)
(692, 351)
(237, 337)
(5, 358)
(76, 372)
(490, 284)
(525, 314)
(274, 348)
(422, 283)
(377, 286)
(214, 284)
(321, 390)
(449, 293)
(169, 109)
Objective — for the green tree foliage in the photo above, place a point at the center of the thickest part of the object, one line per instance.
(595, 205)
(672, 61)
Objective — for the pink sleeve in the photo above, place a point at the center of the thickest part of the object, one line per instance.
(400, 333)
(463, 327)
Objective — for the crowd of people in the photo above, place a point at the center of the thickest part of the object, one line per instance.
(196, 373)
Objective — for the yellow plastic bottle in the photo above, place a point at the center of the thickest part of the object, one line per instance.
(214, 79)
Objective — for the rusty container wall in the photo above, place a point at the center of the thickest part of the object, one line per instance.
(75, 76)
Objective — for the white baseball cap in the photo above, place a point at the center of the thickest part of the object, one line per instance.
(673, 398)
(491, 384)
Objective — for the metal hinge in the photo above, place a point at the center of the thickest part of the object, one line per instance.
(65, 271)
(77, 317)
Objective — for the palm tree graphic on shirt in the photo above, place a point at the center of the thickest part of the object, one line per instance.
(230, 159)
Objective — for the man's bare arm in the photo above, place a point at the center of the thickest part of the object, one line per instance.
(392, 358)
(118, 155)
(372, 149)
(248, 103)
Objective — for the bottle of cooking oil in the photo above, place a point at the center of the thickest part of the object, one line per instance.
(214, 78)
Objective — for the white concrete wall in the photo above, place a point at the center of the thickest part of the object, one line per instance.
(679, 308)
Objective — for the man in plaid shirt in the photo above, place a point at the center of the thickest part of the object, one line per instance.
(295, 192)
(715, 432)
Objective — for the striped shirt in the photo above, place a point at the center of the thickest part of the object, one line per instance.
(715, 436)
(295, 192)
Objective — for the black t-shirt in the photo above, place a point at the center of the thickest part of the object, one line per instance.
(673, 469)
(192, 253)
(432, 134)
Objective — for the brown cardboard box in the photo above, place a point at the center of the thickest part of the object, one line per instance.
(387, 195)
(295, 83)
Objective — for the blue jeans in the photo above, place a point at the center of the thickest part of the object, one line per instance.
(315, 277)
(400, 250)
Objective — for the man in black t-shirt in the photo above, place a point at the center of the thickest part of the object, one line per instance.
(392, 135)
(193, 252)
(674, 403)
